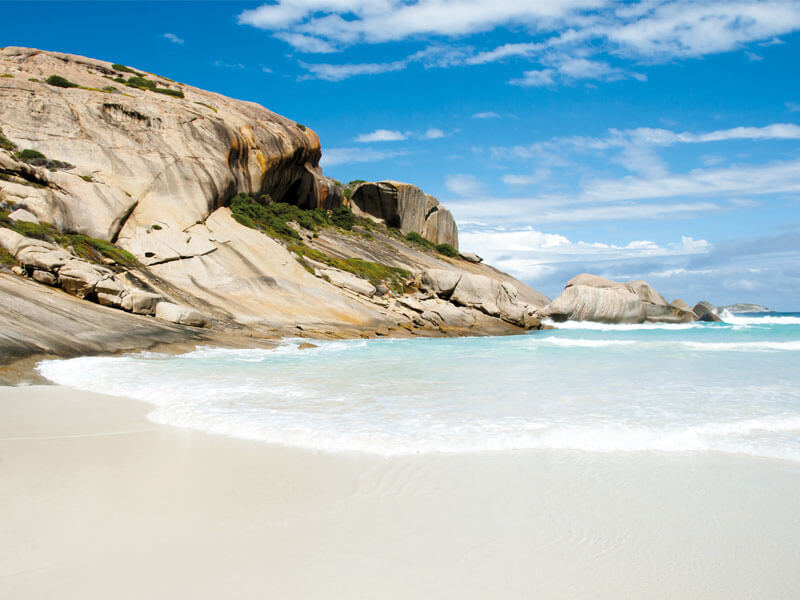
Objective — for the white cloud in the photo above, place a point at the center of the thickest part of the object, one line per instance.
(463, 185)
(266, 70)
(343, 156)
(532, 254)
(486, 115)
(535, 78)
(433, 134)
(173, 38)
(647, 31)
(753, 57)
(381, 135)
(307, 43)
(330, 72)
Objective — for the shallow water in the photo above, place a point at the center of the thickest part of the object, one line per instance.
(728, 387)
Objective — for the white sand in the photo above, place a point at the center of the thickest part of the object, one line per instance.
(97, 502)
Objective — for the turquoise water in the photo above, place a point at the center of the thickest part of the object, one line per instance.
(727, 387)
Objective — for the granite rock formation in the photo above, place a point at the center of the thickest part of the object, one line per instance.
(594, 298)
(407, 208)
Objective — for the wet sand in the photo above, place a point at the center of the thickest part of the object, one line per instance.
(98, 502)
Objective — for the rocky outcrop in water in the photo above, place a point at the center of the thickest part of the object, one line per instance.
(407, 208)
(706, 311)
(594, 298)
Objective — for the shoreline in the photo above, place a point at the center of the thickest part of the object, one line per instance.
(91, 493)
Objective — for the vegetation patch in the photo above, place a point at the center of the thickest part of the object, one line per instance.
(86, 247)
(5, 143)
(124, 69)
(61, 82)
(447, 250)
(34, 80)
(37, 159)
(417, 240)
(7, 75)
(274, 217)
(207, 106)
(169, 92)
(6, 260)
(87, 178)
(375, 273)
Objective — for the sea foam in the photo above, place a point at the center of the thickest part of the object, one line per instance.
(669, 389)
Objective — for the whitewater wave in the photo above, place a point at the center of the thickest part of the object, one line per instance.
(733, 319)
(595, 326)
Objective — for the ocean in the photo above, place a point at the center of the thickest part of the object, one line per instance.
(730, 387)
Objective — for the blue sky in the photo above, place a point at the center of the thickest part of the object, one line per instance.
(657, 139)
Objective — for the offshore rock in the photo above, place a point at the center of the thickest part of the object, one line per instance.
(706, 311)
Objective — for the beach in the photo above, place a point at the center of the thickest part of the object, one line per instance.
(97, 502)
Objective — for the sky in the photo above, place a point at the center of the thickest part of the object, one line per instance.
(655, 140)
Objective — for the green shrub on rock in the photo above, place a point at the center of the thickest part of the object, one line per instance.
(343, 217)
(417, 239)
(28, 154)
(169, 92)
(59, 81)
(447, 250)
(5, 143)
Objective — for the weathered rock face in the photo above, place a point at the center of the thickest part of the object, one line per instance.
(593, 298)
(406, 207)
(141, 158)
(602, 304)
(489, 296)
(153, 173)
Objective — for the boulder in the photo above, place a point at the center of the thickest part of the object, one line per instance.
(407, 208)
(79, 278)
(13, 242)
(439, 282)
(706, 311)
(38, 257)
(678, 303)
(607, 304)
(478, 291)
(22, 215)
(109, 292)
(139, 301)
(45, 277)
(470, 257)
(183, 315)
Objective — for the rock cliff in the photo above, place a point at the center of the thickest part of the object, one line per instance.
(151, 197)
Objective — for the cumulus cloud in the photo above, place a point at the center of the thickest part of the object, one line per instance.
(173, 38)
(381, 135)
(535, 78)
(434, 133)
